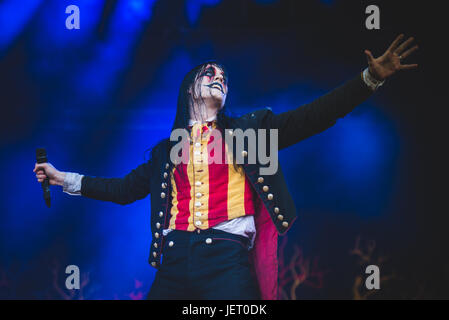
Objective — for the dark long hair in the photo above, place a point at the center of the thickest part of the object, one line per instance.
(185, 99)
(185, 102)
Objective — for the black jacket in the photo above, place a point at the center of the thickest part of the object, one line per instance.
(293, 126)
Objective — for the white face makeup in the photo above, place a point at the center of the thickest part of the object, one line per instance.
(213, 87)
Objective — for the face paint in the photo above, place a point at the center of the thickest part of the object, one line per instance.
(210, 87)
(210, 78)
(209, 73)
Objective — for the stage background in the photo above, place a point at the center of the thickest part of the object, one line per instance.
(370, 190)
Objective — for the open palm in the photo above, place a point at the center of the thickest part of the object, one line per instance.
(390, 62)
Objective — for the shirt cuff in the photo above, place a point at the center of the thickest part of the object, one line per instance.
(370, 81)
(72, 183)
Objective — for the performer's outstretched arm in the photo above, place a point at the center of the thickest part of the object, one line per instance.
(315, 117)
(134, 186)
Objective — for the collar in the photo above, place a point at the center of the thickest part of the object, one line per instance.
(192, 122)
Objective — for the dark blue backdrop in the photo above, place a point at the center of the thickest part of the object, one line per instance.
(98, 97)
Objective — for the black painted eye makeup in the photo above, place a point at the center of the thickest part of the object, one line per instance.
(209, 72)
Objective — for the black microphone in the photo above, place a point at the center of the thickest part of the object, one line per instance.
(41, 157)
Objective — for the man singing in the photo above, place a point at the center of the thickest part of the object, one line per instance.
(215, 224)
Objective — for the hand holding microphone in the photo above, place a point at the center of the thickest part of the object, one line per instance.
(47, 174)
(46, 170)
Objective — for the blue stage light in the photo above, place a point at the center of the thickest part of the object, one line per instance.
(14, 15)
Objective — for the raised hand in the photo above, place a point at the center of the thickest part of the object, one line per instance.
(390, 62)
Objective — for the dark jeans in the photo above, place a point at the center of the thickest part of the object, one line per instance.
(211, 264)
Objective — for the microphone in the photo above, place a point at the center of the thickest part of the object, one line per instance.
(41, 157)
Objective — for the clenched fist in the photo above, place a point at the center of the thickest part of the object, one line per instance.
(46, 170)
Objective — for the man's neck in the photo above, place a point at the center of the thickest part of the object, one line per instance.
(193, 121)
(204, 114)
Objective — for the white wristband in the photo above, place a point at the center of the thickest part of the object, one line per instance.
(370, 81)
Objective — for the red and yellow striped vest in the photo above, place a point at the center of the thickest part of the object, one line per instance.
(205, 194)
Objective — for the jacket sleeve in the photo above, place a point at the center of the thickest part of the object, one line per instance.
(134, 186)
(319, 115)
